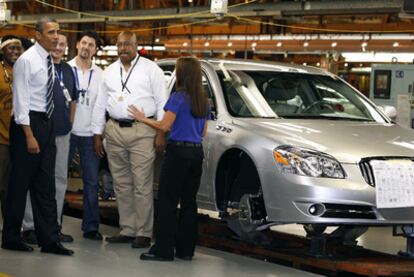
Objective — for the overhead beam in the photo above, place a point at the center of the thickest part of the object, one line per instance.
(276, 10)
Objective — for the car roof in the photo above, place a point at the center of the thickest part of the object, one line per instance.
(255, 65)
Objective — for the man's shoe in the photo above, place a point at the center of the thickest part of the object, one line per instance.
(29, 237)
(153, 257)
(93, 235)
(56, 248)
(183, 257)
(141, 242)
(64, 237)
(17, 246)
(119, 239)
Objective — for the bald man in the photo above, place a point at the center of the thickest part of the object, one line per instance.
(131, 80)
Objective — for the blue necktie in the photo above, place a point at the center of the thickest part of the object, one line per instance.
(50, 81)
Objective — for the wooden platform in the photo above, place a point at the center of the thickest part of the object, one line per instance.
(286, 249)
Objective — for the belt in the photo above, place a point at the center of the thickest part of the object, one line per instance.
(184, 144)
(38, 114)
(126, 123)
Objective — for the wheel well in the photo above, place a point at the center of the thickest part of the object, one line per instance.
(236, 176)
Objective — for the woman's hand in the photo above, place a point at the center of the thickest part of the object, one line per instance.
(136, 113)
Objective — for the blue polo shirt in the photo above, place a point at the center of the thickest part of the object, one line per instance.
(186, 127)
(61, 112)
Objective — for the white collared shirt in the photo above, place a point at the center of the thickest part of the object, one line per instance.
(146, 89)
(30, 83)
(86, 101)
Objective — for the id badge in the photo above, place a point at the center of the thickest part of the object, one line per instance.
(120, 97)
(67, 95)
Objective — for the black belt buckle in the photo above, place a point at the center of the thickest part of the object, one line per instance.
(125, 124)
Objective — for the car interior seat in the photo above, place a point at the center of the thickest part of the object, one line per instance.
(277, 96)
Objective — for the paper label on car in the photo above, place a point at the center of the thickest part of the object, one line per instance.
(394, 183)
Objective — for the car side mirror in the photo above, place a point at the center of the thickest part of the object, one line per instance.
(389, 111)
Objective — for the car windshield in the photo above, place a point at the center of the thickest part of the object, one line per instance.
(293, 95)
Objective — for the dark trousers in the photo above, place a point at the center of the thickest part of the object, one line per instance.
(34, 172)
(4, 174)
(179, 183)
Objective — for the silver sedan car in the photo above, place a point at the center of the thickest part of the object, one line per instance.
(296, 144)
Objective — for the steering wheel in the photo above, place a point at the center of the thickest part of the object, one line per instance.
(321, 104)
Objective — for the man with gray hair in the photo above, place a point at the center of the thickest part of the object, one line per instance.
(32, 145)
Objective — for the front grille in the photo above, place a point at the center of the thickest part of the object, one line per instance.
(348, 211)
(367, 171)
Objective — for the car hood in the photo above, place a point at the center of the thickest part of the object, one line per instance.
(347, 141)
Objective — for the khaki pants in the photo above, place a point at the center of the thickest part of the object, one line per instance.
(4, 173)
(131, 157)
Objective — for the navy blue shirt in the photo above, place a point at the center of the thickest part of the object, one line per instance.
(186, 127)
(61, 112)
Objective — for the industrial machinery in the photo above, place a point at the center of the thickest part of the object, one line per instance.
(392, 85)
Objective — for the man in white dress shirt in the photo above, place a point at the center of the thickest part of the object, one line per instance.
(131, 80)
(88, 78)
(32, 145)
(64, 99)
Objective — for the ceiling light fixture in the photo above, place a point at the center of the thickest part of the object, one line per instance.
(230, 44)
(206, 44)
(185, 44)
(279, 44)
(334, 44)
(395, 44)
(305, 44)
(364, 45)
(370, 57)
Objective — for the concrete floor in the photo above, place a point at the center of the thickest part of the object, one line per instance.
(101, 259)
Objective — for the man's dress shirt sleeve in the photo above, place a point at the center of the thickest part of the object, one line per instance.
(21, 92)
(98, 115)
(159, 88)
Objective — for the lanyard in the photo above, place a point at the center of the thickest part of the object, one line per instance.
(77, 80)
(63, 87)
(129, 74)
(60, 78)
(6, 75)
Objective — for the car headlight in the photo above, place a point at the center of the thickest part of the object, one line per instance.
(306, 162)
